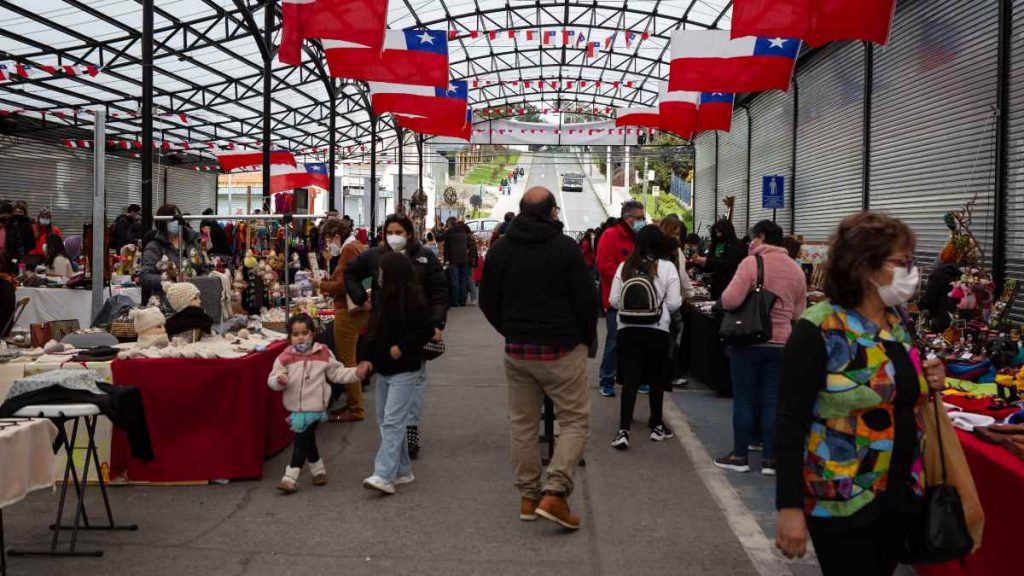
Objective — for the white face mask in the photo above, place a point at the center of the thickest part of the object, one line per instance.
(397, 242)
(902, 288)
(335, 250)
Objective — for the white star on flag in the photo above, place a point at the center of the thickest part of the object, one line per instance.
(426, 38)
(451, 88)
(778, 43)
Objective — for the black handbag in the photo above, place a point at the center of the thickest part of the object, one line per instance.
(751, 323)
(942, 533)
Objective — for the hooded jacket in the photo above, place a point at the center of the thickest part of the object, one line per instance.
(615, 246)
(425, 267)
(536, 289)
(309, 377)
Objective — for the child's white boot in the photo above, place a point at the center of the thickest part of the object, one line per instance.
(319, 472)
(290, 482)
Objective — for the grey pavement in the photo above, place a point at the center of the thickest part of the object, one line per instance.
(645, 511)
(580, 210)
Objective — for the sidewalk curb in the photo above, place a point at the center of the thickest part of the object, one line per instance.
(758, 547)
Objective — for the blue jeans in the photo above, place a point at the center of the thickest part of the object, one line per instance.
(755, 386)
(608, 362)
(416, 412)
(458, 284)
(396, 396)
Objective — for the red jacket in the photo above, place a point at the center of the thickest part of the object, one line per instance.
(615, 246)
(588, 252)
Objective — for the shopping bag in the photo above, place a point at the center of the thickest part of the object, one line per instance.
(958, 473)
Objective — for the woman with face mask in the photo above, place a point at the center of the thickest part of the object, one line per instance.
(43, 229)
(850, 429)
(724, 256)
(170, 237)
(755, 369)
(399, 236)
(343, 248)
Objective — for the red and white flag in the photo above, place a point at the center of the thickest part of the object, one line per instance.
(440, 124)
(233, 159)
(710, 61)
(419, 100)
(678, 111)
(815, 21)
(641, 116)
(409, 57)
(715, 111)
(361, 22)
(283, 177)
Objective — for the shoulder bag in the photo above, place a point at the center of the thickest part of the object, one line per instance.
(751, 323)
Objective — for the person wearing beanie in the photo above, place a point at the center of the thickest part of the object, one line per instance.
(149, 325)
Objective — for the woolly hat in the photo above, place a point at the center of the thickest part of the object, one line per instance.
(180, 294)
(146, 319)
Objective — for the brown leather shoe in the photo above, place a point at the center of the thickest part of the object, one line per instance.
(556, 509)
(345, 416)
(528, 509)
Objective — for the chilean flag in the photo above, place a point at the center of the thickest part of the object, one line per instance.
(710, 61)
(642, 116)
(284, 178)
(678, 111)
(715, 111)
(419, 100)
(438, 125)
(232, 159)
(409, 57)
(361, 22)
(816, 21)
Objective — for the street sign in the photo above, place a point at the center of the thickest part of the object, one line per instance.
(773, 193)
(655, 189)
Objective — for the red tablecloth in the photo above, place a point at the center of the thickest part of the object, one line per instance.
(208, 419)
(999, 477)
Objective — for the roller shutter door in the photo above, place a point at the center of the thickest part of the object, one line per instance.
(1015, 184)
(124, 185)
(771, 116)
(193, 192)
(830, 139)
(732, 170)
(932, 125)
(705, 173)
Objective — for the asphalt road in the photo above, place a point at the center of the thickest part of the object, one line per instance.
(580, 210)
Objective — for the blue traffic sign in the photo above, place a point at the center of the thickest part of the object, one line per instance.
(773, 194)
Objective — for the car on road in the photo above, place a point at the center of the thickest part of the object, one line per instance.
(482, 228)
(572, 182)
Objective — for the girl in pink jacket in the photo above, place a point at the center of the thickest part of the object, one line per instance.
(304, 372)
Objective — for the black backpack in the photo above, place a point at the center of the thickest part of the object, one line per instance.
(639, 302)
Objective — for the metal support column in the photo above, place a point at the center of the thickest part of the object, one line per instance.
(98, 256)
(268, 66)
(401, 169)
(869, 85)
(792, 179)
(147, 115)
(419, 153)
(373, 173)
(750, 144)
(716, 176)
(332, 143)
(1002, 143)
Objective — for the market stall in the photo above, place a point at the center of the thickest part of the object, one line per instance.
(709, 363)
(50, 304)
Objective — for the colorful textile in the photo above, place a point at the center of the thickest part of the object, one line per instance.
(851, 439)
(299, 422)
(535, 352)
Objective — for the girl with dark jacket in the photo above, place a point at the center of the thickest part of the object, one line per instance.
(428, 274)
(398, 330)
(723, 258)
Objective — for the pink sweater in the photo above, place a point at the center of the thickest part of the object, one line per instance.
(782, 277)
(309, 377)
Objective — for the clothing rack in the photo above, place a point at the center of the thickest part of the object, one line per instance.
(285, 219)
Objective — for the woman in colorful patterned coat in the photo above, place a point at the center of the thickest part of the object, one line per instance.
(849, 437)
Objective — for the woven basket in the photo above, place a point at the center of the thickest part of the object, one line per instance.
(123, 329)
(274, 326)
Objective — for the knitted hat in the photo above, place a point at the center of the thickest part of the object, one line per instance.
(146, 319)
(180, 294)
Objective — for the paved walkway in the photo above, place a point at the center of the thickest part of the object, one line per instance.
(510, 203)
(646, 511)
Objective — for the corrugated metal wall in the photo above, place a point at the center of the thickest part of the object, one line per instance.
(732, 170)
(932, 125)
(45, 174)
(771, 117)
(1015, 183)
(704, 182)
(830, 139)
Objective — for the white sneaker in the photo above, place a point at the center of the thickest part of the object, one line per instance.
(405, 479)
(377, 483)
(621, 441)
(661, 433)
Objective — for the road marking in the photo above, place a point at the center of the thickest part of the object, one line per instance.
(758, 547)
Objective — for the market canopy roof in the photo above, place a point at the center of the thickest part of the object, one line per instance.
(208, 65)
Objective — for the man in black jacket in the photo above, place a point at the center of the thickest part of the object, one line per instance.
(127, 227)
(456, 255)
(537, 292)
(399, 236)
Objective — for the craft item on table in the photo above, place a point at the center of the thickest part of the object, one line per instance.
(994, 407)
(1009, 436)
(1016, 418)
(968, 370)
(971, 388)
(96, 354)
(190, 319)
(81, 380)
(149, 324)
(54, 347)
(91, 338)
(181, 295)
(225, 294)
(209, 347)
(967, 421)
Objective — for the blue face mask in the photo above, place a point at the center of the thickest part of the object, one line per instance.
(639, 225)
(173, 228)
(303, 347)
